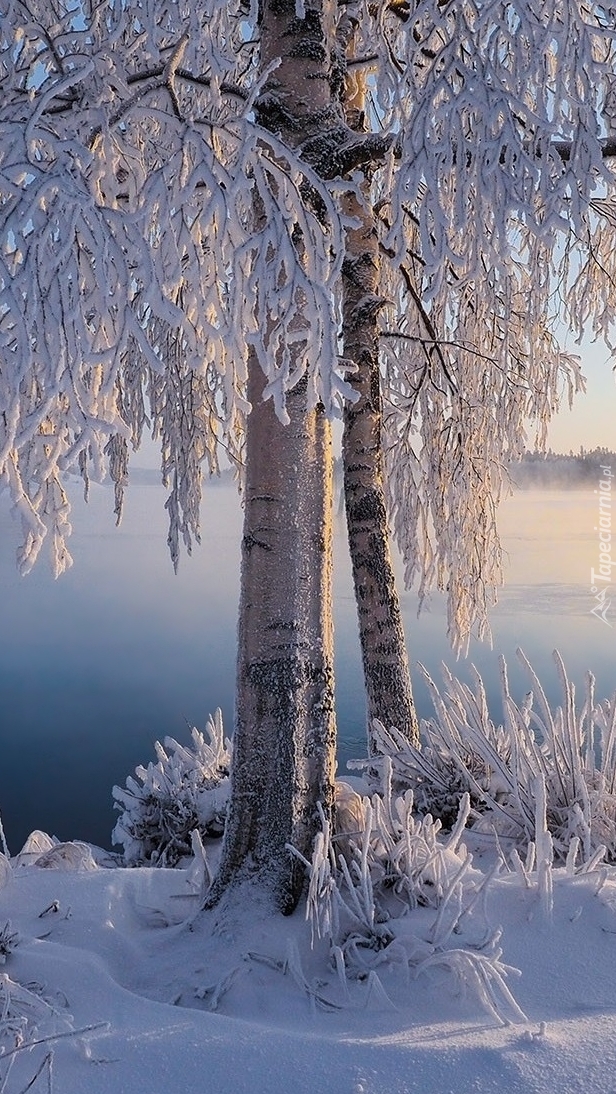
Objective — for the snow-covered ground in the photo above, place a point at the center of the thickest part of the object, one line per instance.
(120, 986)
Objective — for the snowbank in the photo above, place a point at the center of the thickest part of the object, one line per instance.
(120, 986)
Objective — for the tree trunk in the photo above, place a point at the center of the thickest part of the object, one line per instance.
(387, 678)
(284, 741)
(284, 738)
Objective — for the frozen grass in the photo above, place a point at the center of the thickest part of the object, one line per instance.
(572, 748)
(186, 790)
(404, 975)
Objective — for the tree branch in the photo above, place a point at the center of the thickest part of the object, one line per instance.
(185, 74)
(434, 342)
(357, 62)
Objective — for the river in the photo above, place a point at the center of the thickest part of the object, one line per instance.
(120, 652)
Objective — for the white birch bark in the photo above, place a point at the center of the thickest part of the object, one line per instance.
(387, 678)
(284, 739)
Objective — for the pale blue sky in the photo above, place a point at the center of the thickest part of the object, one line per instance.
(592, 422)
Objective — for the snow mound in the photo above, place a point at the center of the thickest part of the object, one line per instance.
(113, 977)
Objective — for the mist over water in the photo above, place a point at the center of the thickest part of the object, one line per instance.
(120, 652)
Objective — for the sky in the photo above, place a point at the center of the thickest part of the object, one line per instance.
(592, 422)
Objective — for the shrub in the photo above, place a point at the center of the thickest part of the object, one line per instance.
(360, 907)
(186, 789)
(463, 752)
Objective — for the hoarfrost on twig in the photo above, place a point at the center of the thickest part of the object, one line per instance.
(568, 751)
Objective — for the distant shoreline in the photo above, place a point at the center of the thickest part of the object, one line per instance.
(536, 471)
(555, 470)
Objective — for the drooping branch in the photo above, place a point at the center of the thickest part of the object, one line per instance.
(498, 124)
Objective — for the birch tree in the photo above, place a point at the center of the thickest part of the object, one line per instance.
(387, 678)
(206, 233)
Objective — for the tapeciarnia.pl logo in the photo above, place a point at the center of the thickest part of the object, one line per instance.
(601, 579)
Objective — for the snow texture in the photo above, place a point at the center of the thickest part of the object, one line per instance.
(115, 979)
(423, 957)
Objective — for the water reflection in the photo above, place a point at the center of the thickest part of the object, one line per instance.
(119, 652)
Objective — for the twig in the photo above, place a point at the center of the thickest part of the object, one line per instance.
(5, 848)
(54, 1037)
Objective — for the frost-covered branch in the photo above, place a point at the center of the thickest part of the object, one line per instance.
(491, 240)
(127, 190)
(136, 144)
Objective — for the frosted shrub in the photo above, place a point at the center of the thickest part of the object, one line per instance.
(573, 749)
(360, 902)
(402, 898)
(186, 789)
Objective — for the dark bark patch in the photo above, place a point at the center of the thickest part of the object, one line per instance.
(370, 507)
(272, 115)
(366, 310)
(311, 26)
(310, 50)
(340, 151)
(310, 38)
(314, 201)
(279, 679)
(249, 541)
(282, 7)
(375, 390)
(357, 469)
(358, 268)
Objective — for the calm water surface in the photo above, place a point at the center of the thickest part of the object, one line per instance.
(120, 652)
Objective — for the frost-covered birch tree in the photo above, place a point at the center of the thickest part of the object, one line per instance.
(385, 661)
(184, 189)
